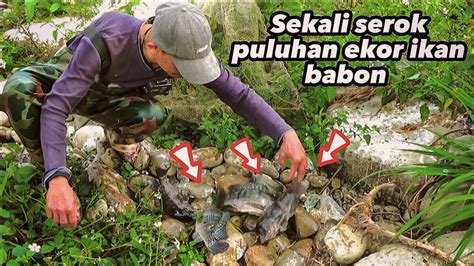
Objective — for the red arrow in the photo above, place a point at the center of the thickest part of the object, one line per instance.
(243, 149)
(182, 154)
(327, 153)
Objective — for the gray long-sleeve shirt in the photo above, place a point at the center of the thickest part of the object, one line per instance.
(128, 69)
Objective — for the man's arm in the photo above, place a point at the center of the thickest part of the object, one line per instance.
(65, 95)
(248, 104)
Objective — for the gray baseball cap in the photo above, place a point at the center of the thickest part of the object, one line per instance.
(182, 31)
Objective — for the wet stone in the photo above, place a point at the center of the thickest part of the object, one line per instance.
(159, 159)
(316, 180)
(219, 170)
(236, 240)
(377, 213)
(210, 156)
(199, 204)
(226, 181)
(290, 257)
(268, 168)
(279, 243)
(143, 184)
(208, 179)
(375, 243)
(304, 247)
(4, 122)
(345, 244)
(232, 158)
(99, 209)
(319, 237)
(305, 225)
(250, 238)
(234, 169)
(336, 183)
(172, 227)
(250, 223)
(260, 255)
(285, 176)
(199, 190)
(392, 213)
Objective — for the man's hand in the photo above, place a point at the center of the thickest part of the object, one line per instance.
(61, 202)
(292, 149)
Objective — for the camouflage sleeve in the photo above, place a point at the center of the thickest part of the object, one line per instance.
(65, 95)
(245, 102)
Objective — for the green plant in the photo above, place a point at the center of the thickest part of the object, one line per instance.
(454, 173)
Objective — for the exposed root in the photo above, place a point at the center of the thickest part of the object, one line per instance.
(359, 216)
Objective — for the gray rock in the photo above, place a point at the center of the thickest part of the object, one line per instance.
(304, 247)
(232, 158)
(209, 156)
(316, 180)
(226, 181)
(268, 168)
(375, 243)
(172, 227)
(290, 257)
(305, 224)
(234, 169)
(345, 244)
(397, 254)
(336, 183)
(392, 213)
(4, 122)
(285, 176)
(260, 255)
(199, 190)
(448, 243)
(279, 243)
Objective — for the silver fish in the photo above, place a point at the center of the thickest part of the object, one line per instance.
(248, 198)
(275, 219)
(212, 229)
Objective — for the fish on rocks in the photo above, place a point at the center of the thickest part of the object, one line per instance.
(212, 229)
(174, 203)
(275, 219)
(248, 198)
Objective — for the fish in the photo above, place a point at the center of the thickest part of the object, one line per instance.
(173, 202)
(274, 187)
(212, 229)
(248, 198)
(276, 217)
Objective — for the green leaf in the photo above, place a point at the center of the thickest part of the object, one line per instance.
(46, 249)
(424, 112)
(330, 93)
(4, 213)
(3, 256)
(416, 76)
(59, 238)
(13, 263)
(128, 166)
(19, 251)
(5, 230)
(367, 138)
(74, 252)
(447, 103)
(30, 8)
(55, 35)
(54, 7)
(134, 258)
(464, 242)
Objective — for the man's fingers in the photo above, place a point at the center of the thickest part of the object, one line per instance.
(72, 218)
(281, 160)
(63, 221)
(49, 213)
(301, 170)
(293, 168)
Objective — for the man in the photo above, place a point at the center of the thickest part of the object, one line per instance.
(143, 56)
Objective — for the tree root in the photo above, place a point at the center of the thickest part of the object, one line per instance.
(359, 216)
